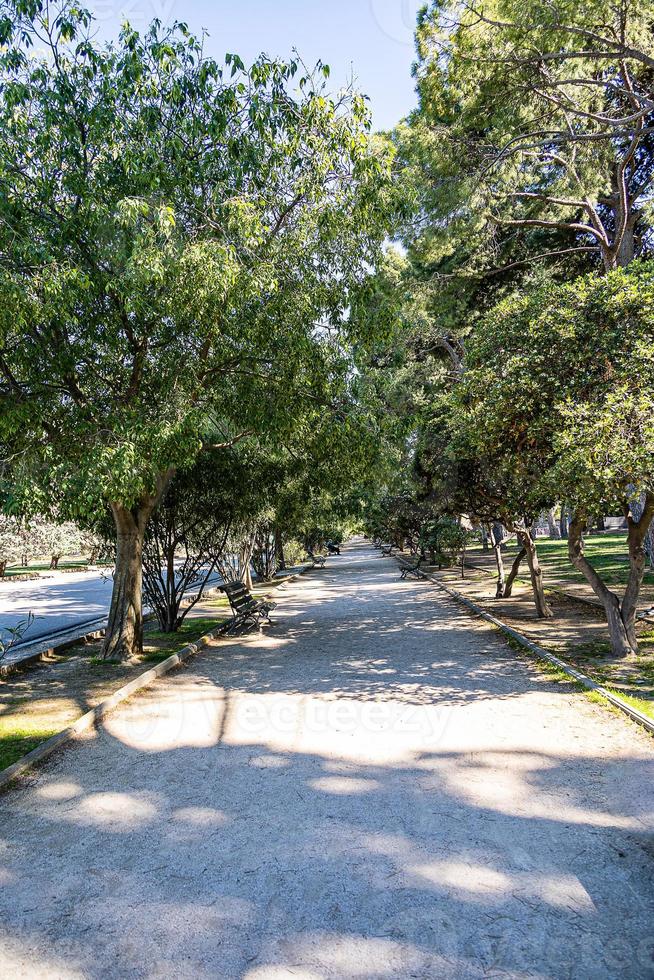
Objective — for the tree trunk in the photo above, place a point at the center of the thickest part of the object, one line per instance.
(535, 572)
(496, 544)
(54, 561)
(513, 574)
(3, 568)
(620, 641)
(124, 634)
(648, 544)
(637, 507)
(279, 550)
(622, 249)
(554, 529)
(636, 535)
(172, 603)
(244, 560)
(564, 521)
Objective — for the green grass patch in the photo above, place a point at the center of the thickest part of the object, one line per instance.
(191, 629)
(590, 650)
(644, 705)
(15, 742)
(159, 646)
(607, 552)
(156, 656)
(558, 674)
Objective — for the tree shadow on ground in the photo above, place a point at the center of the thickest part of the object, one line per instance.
(224, 859)
(338, 798)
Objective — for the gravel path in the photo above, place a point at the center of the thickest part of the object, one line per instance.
(375, 787)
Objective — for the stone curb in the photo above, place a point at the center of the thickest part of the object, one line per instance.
(543, 654)
(92, 717)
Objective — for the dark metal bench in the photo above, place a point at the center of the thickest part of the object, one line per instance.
(318, 560)
(245, 607)
(387, 550)
(414, 569)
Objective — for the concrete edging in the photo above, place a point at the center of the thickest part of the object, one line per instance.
(543, 654)
(92, 717)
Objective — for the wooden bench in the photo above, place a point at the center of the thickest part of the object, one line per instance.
(414, 569)
(318, 560)
(245, 607)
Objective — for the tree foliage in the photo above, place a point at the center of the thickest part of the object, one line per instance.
(535, 119)
(171, 231)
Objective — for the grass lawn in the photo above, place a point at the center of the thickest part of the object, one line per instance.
(607, 553)
(43, 567)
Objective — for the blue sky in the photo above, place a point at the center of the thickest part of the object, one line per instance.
(372, 38)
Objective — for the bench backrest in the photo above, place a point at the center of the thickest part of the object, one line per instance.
(239, 598)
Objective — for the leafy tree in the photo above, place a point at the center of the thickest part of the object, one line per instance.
(469, 467)
(563, 391)
(55, 540)
(446, 539)
(171, 230)
(11, 549)
(536, 119)
(186, 537)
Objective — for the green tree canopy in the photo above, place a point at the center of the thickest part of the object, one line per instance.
(535, 120)
(558, 397)
(171, 231)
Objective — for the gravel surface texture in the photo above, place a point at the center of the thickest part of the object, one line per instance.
(376, 786)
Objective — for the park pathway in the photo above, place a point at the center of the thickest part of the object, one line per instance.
(377, 786)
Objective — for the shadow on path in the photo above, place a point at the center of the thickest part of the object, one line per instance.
(373, 788)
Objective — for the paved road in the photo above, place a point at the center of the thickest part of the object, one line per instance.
(375, 788)
(61, 600)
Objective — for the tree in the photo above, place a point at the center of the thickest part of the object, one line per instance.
(264, 554)
(469, 466)
(169, 237)
(186, 537)
(54, 540)
(537, 118)
(565, 390)
(447, 539)
(10, 542)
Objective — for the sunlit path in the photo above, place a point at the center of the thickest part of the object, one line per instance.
(375, 787)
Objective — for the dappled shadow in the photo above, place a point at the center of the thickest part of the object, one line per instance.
(220, 859)
(381, 640)
(374, 788)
